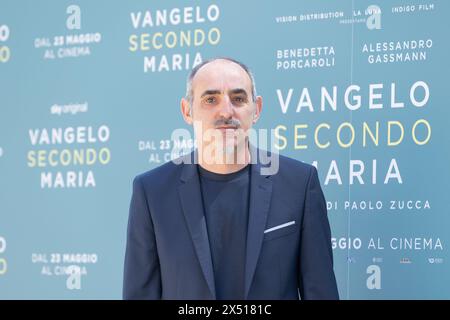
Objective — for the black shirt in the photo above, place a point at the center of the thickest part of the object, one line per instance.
(226, 205)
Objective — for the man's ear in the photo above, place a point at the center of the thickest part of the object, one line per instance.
(186, 111)
(258, 109)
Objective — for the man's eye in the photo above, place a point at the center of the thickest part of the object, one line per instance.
(210, 100)
(239, 99)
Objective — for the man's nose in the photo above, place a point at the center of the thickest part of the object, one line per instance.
(226, 109)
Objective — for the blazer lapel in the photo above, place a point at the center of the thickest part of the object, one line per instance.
(260, 195)
(191, 201)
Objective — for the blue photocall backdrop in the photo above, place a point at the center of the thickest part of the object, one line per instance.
(90, 94)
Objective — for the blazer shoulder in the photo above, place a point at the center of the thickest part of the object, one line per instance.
(294, 173)
(163, 173)
(296, 166)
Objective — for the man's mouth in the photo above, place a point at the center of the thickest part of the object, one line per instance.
(226, 127)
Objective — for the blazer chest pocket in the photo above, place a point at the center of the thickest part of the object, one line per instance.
(280, 230)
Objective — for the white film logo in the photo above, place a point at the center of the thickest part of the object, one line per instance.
(374, 20)
(3, 265)
(5, 53)
(73, 22)
(374, 278)
(73, 281)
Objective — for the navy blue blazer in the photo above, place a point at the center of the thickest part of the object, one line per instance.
(288, 239)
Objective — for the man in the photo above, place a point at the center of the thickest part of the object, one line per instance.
(221, 228)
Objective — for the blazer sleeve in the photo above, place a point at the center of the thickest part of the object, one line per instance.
(316, 276)
(142, 275)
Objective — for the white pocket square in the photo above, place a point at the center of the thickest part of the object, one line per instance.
(284, 225)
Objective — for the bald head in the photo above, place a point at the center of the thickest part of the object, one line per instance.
(216, 66)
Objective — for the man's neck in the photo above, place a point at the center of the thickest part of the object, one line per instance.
(239, 161)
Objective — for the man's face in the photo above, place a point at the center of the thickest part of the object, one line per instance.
(222, 103)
